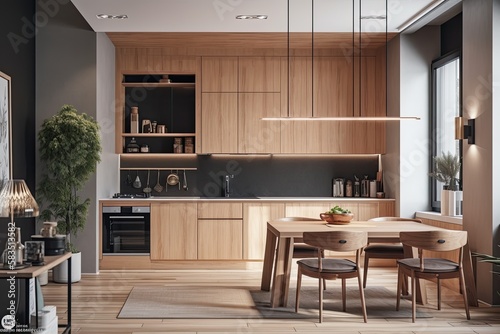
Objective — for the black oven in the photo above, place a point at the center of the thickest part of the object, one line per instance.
(126, 230)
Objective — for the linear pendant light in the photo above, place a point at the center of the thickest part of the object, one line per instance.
(341, 118)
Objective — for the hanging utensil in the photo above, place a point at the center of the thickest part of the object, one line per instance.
(129, 180)
(185, 185)
(179, 183)
(147, 190)
(137, 183)
(158, 187)
(172, 179)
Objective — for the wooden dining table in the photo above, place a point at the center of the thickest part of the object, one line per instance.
(279, 252)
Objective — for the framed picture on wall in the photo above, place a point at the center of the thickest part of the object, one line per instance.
(5, 129)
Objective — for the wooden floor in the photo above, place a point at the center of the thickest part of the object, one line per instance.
(97, 300)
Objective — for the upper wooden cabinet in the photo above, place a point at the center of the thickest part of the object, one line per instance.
(219, 123)
(219, 74)
(255, 135)
(259, 74)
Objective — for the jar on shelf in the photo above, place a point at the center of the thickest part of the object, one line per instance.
(144, 148)
(134, 120)
(133, 147)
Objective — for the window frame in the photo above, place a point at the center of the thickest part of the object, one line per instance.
(436, 64)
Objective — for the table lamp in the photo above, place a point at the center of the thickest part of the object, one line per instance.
(16, 201)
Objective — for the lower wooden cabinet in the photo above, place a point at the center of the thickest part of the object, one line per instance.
(174, 231)
(255, 218)
(220, 239)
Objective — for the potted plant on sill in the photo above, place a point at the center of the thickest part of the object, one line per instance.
(446, 169)
(70, 149)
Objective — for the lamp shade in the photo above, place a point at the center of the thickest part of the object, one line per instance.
(16, 200)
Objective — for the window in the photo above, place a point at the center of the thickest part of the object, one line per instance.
(446, 105)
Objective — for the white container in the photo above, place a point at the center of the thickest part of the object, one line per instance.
(134, 120)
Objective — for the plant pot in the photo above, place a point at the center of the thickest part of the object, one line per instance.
(451, 202)
(60, 273)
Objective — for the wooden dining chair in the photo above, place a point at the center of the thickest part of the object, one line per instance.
(432, 268)
(330, 268)
(384, 250)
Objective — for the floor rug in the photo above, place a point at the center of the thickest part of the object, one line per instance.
(203, 302)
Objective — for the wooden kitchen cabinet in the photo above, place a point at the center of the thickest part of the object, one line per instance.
(254, 134)
(174, 231)
(219, 75)
(255, 218)
(220, 231)
(259, 74)
(220, 239)
(219, 123)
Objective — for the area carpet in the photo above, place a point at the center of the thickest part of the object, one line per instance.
(202, 302)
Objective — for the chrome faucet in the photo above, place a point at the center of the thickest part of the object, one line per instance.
(227, 189)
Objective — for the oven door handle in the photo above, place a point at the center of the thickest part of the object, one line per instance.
(126, 217)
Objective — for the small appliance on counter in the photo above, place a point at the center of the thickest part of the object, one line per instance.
(338, 187)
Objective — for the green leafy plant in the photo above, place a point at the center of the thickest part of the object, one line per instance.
(70, 149)
(489, 259)
(446, 169)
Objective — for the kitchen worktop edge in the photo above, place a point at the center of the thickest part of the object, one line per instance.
(258, 199)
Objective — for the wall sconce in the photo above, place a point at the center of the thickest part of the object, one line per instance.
(465, 131)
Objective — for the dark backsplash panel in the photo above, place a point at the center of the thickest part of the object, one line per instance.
(260, 175)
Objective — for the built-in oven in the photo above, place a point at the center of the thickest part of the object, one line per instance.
(126, 230)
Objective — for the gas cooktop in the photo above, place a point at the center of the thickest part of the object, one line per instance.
(121, 195)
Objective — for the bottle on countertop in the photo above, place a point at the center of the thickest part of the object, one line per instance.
(134, 120)
(357, 191)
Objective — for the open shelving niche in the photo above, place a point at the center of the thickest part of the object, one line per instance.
(176, 101)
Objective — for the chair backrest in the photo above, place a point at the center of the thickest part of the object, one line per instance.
(293, 219)
(384, 219)
(439, 241)
(338, 241)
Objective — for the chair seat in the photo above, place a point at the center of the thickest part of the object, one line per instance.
(430, 265)
(329, 265)
(380, 248)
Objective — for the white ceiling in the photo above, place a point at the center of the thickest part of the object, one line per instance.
(219, 15)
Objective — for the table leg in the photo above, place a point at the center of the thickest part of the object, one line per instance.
(470, 284)
(267, 269)
(279, 290)
(287, 272)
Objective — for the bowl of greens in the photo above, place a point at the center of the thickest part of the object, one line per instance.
(337, 216)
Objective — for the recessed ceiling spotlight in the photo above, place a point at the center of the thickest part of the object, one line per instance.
(251, 17)
(108, 16)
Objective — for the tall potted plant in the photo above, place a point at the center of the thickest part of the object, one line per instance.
(70, 147)
(446, 169)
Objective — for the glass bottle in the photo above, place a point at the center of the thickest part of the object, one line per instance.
(19, 247)
(357, 190)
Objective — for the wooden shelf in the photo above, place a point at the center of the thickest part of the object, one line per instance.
(149, 155)
(159, 84)
(137, 135)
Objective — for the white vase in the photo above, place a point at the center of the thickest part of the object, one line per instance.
(451, 202)
(60, 273)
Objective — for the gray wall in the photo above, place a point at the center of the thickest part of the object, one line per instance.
(481, 162)
(408, 149)
(107, 176)
(66, 74)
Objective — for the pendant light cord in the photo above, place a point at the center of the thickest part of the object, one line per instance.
(353, 59)
(360, 63)
(288, 55)
(312, 58)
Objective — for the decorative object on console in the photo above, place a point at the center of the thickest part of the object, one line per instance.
(16, 201)
(445, 169)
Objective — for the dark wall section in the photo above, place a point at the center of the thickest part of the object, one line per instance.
(17, 59)
(261, 175)
(451, 35)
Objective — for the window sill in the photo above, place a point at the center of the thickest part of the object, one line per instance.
(437, 216)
